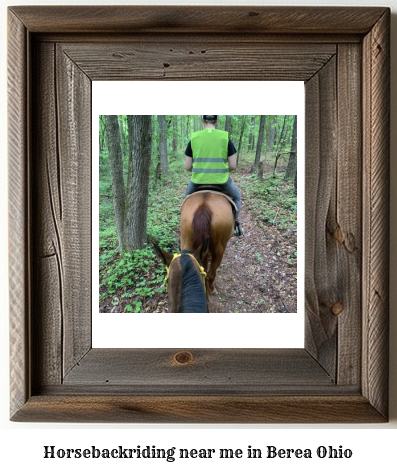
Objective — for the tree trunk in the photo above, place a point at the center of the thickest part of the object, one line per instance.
(130, 138)
(102, 131)
(174, 136)
(228, 124)
(163, 144)
(270, 134)
(240, 141)
(123, 135)
(291, 170)
(259, 144)
(251, 138)
(278, 150)
(116, 171)
(138, 189)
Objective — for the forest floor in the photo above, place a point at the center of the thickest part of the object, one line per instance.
(258, 272)
(255, 274)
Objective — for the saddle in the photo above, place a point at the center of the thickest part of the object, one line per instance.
(213, 189)
(216, 188)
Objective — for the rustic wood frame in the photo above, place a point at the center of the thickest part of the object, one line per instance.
(343, 56)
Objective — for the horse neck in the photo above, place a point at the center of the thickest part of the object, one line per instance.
(193, 297)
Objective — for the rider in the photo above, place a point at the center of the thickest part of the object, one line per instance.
(210, 156)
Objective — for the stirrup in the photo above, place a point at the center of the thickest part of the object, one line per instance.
(238, 230)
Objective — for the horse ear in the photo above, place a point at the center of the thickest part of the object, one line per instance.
(202, 252)
(164, 256)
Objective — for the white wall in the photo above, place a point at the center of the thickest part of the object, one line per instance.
(372, 446)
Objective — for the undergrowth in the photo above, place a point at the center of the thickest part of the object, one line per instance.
(272, 200)
(130, 282)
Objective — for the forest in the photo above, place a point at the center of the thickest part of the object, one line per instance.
(142, 181)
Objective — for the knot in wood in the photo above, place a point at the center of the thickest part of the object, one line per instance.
(337, 308)
(183, 358)
(338, 235)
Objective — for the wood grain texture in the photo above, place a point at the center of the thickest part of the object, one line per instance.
(74, 147)
(62, 223)
(199, 409)
(46, 202)
(321, 277)
(219, 59)
(347, 225)
(196, 19)
(249, 370)
(19, 240)
(333, 215)
(341, 376)
(376, 91)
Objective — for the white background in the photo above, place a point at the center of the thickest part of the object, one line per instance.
(22, 444)
(228, 330)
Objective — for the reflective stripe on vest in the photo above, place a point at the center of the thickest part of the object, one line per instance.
(210, 163)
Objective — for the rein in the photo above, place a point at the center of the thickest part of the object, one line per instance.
(177, 255)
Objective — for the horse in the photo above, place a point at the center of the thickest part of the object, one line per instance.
(207, 224)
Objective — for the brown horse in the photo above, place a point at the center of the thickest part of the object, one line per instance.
(207, 224)
(207, 214)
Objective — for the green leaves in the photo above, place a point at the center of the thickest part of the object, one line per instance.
(137, 277)
(272, 200)
(134, 307)
(128, 278)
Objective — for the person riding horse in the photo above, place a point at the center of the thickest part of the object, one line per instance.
(210, 155)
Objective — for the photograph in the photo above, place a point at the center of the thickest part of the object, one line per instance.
(198, 213)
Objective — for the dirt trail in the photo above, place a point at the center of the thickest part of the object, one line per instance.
(257, 273)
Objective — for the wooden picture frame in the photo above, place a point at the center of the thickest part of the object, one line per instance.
(342, 54)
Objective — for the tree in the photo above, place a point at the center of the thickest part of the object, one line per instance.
(291, 170)
(270, 133)
(123, 134)
(116, 172)
(228, 124)
(138, 189)
(278, 150)
(174, 136)
(259, 143)
(240, 141)
(196, 123)
(251, 138)
(163, 144)
(130, 206)
(102, 128)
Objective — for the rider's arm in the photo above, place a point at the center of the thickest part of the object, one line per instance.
(232, 159)
(188, 163)
(189, 157)
(232, 156)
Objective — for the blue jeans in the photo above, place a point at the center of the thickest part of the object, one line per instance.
(229, 188)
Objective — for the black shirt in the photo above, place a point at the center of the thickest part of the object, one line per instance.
(231, 150)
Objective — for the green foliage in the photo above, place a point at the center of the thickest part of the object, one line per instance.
(272, 200)
(128, 278)
(128, 281)
(165, 199)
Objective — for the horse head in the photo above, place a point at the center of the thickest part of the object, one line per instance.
(185, 279)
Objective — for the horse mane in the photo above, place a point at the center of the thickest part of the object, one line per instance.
(193, 297)
(201, 225)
